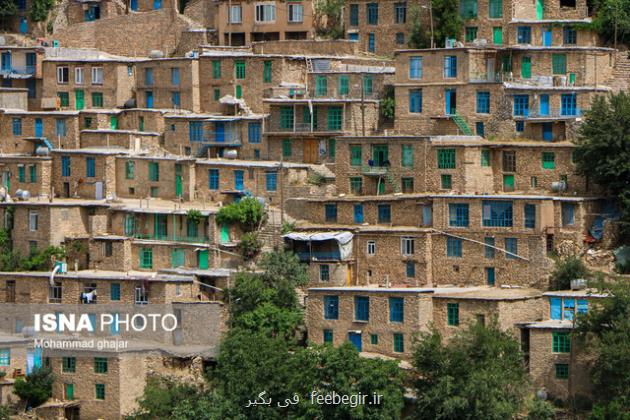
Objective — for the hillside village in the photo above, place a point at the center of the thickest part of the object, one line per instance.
(422, 187)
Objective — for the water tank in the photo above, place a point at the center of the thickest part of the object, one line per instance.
(230, 154)
(42, 151)
(22, 195)
(156, 54)
(578, 284)
(3, 40)
(63, 267)
(558, 186)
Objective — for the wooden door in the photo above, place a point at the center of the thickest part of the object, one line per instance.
(311, 147)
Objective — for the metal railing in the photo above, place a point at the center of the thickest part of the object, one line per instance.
(318, 255)
(555, 113)
(28, 70)
(484, 77)
(274, 125)
(173, 238)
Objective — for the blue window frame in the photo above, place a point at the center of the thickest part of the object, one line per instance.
(17, 126)
(480, 129)
(555, 306)
(253, 132)
(148, 76)
(358, 213)
(60, 127)
(271, 181)
(330, 211)
(458, 215)
(353, 36)
(90, 167)
(175, 79)
(361, 308)
(65, 166)
(497, 213)
(328, 336)
(331, 307)
(530, 216)
(371, 42)
(569, 309)
(521, 105)
(415, 67)
(213, 179)
(114, 291)
(176, 99)
(354, 15)
(568, 214)
(489, 250)
(568, 104)
(239, 176)
(483, 102)
(396, 309)
(384, 213)
(324, 272)
(372, 13)
(569, 35)
(415, 100)
(454, 247)
(450, 66)
(410, 268)
(524, 35)
(582, 306)
(520, 126)
(511, 245)
(195, 131)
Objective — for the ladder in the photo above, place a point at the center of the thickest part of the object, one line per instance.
(461, 124)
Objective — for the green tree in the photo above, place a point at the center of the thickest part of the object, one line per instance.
(8, 8)
(603, 152)
(249, 213)
(36, 388)
(541, 410)
(567, 269)
(419, 34)
(605, 331)
(479, 374)
(328, 18)
(40, 8)
(612, 17)
(447, 20)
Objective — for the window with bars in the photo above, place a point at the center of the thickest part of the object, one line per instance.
(568, 104)
(509, 161)
(521, 105)
(239, 69)
(321, 86)
(497, 213)
(559, 63)
(361, 308)
(458, 215)
(446, 181)
(548, 160)
(100, 365)
(562, 371)
(561, 342)
(286, 117)
(452, 314)
(511, 246)
(372, 13)
(489, 250)
(454, 247)
(446, 158)
(213, 179)
(399, 343)
(331, 307)
(530, 216)
(396, 309)
(335, 118)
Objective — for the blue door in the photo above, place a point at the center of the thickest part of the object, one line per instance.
(219, 128)
(149, 99)
(544, 105)
(157, 4)
(238, 180)
(490, 280)
(134, 5)
(6, 61)
(355, 339)
(23, 26)
(547, 37)
(450, 101)
(39, 127)
(358, 213)
(547, 131)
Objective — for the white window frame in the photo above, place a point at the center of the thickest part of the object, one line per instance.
(78, 76)
(60, 78)
(371, 248)
(292, 16)
(261, 11)
(234, 8)
(33, 221)
(407, 246)
(97, 75)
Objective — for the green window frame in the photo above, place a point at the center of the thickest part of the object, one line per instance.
(399, 343)
(343, 86)
(321, 86)
(446, 181)
(100, 365)
(154, 171)
(21, 173)
(471, 33)
(355, 155)
(452, 312)
(374, 339)
(114, 292)
(267, 72)
(32, 173)
(332, 148)
(495, 9)
(99, 391)
(217, 94)
(407, 156)
(335, 121)
(146, 258)
(97, 100)
(239, 69)
(178, 257)
(446, 158)
(368, 84)
(328, 336)
(286, 117)
(130, 225)
(130, 169)
(69, 365)
(548, 160)
(559, 63)
(561, 342)
(356, 184)
(562, 370)
(485, 157)
(64, 99)
(5, 357)
(216, 69)
(286, 147)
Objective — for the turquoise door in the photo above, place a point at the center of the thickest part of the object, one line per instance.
(544, 105)
(450, 101)
(490, 280)
(225, 233)
(355, 339)
(358, 213)
(547, 36)
(547, 131)
(6, 61)
(238, 180)
(203, 259)
(23, 25)
(39, 127)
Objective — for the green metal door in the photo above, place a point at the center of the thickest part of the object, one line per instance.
(160, 226)
(178, 180)
(526, 67)
(79, 99)
(178, 257)
(69, 391)
(225, 233)
(381, 186)
(203, 259)
(380, 154)
(508, 182)
(539, 9)
(497, 35)
(113, 122)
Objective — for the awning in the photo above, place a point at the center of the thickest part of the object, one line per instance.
(341, 237)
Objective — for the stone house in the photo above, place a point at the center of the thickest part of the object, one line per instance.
(21, 67)
(27, 130)
(165, 83)
(84, 173)
(27, 173)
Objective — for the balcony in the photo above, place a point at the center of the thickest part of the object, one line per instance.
(478, 77)
(374, 170)
(171, 238)
(553, 114)
(306, 256)
(19, 71)
(278, 126)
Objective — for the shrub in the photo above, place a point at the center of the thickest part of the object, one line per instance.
(250, 245)
(249, 213)
(567, 269)
(36, 388)
(541, 410)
